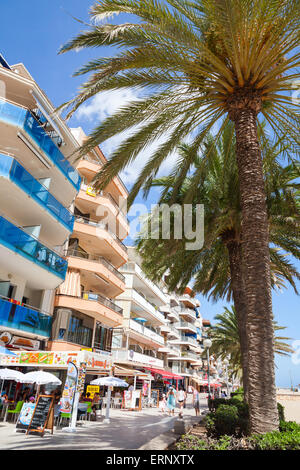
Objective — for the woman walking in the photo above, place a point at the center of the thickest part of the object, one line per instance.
(171, 401)
(196, 401)
(181, 397)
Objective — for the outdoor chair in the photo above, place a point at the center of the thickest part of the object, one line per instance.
(16, 411)
(64, 417)
(56, 414)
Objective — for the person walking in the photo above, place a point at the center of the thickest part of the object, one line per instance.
(196, 401)
(181, 397)
(171, 401)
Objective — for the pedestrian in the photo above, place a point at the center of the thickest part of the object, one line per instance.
(196, 401)
(171, 401)
(162, 403)
(181, 397)
(96, 404)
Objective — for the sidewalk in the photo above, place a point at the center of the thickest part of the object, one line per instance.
(127, 430)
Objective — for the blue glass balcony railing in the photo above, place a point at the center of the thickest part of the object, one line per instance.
(21, 242)
(24, 318)
(10, 168)
(21, 117)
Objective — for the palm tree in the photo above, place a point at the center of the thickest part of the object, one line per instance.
(225, 340)
(217, 268)
(199, 64)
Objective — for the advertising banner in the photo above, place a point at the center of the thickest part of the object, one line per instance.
(66, 402)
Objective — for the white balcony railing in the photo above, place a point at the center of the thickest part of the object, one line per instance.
(135, 326)
(143, 302)
(125, 355)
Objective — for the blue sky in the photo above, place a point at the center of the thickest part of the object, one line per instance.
(32, 32)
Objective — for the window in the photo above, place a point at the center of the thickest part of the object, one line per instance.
(103, 337)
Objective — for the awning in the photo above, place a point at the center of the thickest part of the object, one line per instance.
(124, 371)
(164, 373)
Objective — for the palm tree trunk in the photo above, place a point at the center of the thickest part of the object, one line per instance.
(256, 273)
(239, 297)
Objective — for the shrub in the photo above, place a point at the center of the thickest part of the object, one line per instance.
(280, 412)
(289, 426)
(226, 420)
(276, 440)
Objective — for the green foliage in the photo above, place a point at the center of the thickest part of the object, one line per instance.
(189, 442)
(289, 426)
(231, 417)
(277, 440)
(226, 420)
(280, 412)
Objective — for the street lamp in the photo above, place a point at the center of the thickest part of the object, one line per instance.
(226, 362)
(207, 344)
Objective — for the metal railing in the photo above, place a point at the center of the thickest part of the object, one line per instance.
(97, 259)
(102, 300)
(95, 223)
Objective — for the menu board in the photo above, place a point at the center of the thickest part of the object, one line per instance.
(41, 414)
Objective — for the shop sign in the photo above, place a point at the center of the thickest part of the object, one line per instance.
(92, 389)
(57, 359)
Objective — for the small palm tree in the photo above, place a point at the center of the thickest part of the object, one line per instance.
(199, 64)
(225, 340)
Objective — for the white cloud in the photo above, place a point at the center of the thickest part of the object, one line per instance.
(105, 104)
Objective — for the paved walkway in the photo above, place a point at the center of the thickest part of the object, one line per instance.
(127, 430)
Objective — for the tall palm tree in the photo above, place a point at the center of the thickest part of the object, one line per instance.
(225, 340)
(199, 64)
(217, 268)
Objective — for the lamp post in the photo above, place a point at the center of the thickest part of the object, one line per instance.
(226, 362)
(207, 344)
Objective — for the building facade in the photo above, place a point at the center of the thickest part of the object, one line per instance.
(138, 341)
(37, 190)
(85, 311)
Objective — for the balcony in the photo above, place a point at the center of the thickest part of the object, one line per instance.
(24, 318)
(133, 357)
(146, 284)
(90, 201)
(94, 305)
(146, 308)
(17, 116)
(96, 237)
(39, 265)
(187, 326)
(17, 184)
(187, 312)
(147, 332)
(97, 271)
(186, 340)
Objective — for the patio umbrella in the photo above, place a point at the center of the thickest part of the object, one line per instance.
(109, 382)
(10, 374)
(6, 351)
(40, 377)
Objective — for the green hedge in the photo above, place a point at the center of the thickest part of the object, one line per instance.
(287, 439)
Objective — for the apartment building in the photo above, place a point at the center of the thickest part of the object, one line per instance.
(37, 190)
(183, 334)
(139, 342)
(85, 310)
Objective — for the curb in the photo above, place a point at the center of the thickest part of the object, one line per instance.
(164, 440)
